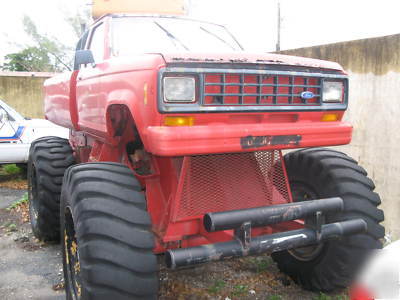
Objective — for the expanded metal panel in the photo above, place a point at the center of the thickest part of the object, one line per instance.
(260, 89)
(219, 182)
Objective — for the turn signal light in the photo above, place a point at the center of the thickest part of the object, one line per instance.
(329, 118)
(178, 121)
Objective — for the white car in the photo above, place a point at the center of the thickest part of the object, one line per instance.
(380, 278)
(17, 133)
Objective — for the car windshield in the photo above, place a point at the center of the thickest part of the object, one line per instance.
(12, 112)
(152, 35)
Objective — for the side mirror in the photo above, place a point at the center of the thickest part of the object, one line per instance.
(3, 115)
(83, 57)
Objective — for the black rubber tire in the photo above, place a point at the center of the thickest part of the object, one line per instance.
(49, 157)
(113, 234)
(330, 173)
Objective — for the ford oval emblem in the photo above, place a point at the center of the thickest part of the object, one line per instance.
(307, 95)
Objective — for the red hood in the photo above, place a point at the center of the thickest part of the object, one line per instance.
(250, 58)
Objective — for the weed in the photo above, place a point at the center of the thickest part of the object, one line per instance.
(11, 227)
(217, 286)
(261, 265)
(323, 296)
(274, 297)
(239, 290)
(24, 199)
(11, 169)
(341, 297)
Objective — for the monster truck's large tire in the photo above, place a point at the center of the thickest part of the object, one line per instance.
(108, 242)
(323, 173)
(49, 157)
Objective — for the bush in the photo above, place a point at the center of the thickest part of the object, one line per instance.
(11, 169)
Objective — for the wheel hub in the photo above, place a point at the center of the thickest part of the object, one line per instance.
(302, 192)
(72, 256)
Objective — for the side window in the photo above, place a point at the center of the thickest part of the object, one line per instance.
(5, 116)
(97, 43)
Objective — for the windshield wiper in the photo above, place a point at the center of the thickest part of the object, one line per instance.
(171, 36)
(217, 37)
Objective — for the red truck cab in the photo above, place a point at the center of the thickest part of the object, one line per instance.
(232, 95)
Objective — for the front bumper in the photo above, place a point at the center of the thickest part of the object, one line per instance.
(242, 221)
(221, 138)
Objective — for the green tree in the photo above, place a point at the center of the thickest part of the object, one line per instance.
(47, 54)
(31, 59)
(56, 51)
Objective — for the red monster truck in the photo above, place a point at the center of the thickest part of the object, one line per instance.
(175, 149)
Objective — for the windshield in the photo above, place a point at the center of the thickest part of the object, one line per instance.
(151, 35)
(11, 112)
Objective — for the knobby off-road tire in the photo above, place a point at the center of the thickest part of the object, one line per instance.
(106, 230)
(323, 173)
(49, 157)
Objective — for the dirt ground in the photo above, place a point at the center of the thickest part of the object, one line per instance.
(29, 269)
(32, 270)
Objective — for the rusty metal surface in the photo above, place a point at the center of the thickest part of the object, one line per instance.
(249, 142)
(262, 244)
(245, 57)
(262, 216)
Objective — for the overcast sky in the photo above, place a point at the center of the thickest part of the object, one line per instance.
(254, 22)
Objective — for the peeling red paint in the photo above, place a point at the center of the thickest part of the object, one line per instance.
(243, 57)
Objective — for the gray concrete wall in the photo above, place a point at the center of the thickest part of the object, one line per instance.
(374, 110)
(24, 92)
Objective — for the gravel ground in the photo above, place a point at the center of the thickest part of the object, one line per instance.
(9, 196)
(31, 270)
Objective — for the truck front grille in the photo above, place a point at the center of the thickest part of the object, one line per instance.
(260, 89)
(253, 90)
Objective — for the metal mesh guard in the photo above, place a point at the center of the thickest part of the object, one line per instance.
(219, 182)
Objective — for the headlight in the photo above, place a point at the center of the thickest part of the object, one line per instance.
(333, 91)
(179, 89)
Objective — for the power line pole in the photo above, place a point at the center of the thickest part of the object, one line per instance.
(278, 43)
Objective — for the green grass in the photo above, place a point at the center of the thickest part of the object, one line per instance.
(323, 296)
(274, 297)
(261, 265)
(239, 290)
(24, 199)
(11, 169)
(11, 227)
(217, 286)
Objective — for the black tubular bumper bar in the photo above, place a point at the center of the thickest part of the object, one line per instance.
(242, 221)
(261, 244)
(267, 215)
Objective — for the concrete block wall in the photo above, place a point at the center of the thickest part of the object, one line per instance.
(374, 110)
(24, 92)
